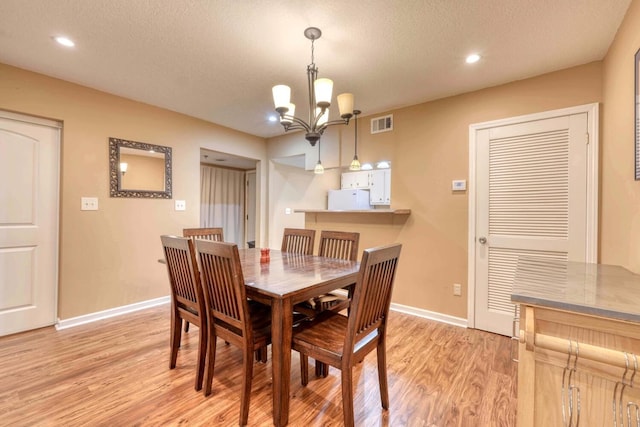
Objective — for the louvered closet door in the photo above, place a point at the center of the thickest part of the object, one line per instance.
(531, 200)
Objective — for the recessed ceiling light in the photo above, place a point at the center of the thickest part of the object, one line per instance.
(473, 58)
(64, 41)
(273, 118)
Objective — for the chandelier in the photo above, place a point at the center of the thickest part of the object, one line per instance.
(319, 101)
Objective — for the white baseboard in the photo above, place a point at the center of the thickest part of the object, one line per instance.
(431, 315)
(112, 312)
(117, 311)
(419, 312)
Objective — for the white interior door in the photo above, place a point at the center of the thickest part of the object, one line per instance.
(28, 222)
(532, 196)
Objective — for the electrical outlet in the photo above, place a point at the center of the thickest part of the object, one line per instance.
(181, 205)
(457, 289)
(89, 203)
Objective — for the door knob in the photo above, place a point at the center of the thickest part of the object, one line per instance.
(482, 240)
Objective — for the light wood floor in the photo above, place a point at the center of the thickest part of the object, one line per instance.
(115, 373)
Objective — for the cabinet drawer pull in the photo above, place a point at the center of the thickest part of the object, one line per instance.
(515, 338)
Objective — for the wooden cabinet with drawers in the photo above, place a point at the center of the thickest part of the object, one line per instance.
(579, 346)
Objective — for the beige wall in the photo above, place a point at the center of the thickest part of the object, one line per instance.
(620, 193)
(109, 258)
(428, 148)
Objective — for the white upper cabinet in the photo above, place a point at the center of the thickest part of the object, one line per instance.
(378, 182)
(352, 180)
(380, 187)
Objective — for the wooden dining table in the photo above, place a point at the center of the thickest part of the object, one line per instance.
(285, 280)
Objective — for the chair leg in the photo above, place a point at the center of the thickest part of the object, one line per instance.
(322, 369)
(261, 354)
(186, 326)
(382, 373)
(304, 369)
(210, 364)
(174, 341)
(247, 376)
(202, 353)
(347, 396)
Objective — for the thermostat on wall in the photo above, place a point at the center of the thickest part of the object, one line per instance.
(459, 185)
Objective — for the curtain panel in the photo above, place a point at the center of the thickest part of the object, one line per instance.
(222, 201)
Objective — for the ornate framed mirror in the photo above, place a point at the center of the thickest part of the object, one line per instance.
(138, 169)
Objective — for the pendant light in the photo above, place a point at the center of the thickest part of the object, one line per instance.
(355, 163)
(319, 169)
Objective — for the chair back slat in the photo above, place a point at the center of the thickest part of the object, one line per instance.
(339, 244)
(223, 283)
(215, 233)
(298, 241)
(186, 289)
(372, 293)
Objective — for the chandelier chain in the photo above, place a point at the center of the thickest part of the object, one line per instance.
(312, 48)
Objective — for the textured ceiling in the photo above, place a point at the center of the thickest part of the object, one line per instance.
(218, 59)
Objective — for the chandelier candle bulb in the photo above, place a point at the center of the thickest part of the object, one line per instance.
(345, 105)
(282, 97)
(323, 89)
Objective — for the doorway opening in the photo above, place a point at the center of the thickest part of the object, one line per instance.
(228, 196)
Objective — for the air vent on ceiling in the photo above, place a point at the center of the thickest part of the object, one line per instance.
(382, 124)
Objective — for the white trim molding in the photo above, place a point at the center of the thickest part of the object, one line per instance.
(431, 315)
(117, 311)
(112, 312)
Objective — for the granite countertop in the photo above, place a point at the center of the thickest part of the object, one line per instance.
(597, 289)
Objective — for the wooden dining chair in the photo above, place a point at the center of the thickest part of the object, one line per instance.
(298, 241)
(214, 233)
(231, 316)
(187, 298)
(333, 244)
(340, 245)
(342, 341)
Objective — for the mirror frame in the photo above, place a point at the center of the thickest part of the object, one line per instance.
(636, 101)
(114, 170)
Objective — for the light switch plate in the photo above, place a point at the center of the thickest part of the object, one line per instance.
(181, 205)
(89, 203)
(459, 185)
